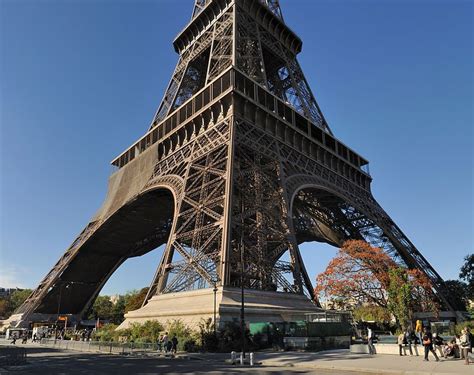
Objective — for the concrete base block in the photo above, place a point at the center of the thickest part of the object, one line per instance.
(194, 306)
(387, 349)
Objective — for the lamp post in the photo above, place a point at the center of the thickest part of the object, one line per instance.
(215, 305)
(59, 309)
(242, 301)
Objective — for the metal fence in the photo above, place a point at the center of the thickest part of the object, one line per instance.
(101, 347)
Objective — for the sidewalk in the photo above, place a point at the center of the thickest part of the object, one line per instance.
(343, 360)
(339, 360)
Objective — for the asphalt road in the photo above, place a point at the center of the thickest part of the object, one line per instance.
(47, 361)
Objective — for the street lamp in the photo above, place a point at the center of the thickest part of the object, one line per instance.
(59, 308)
(242, 302)
(215, 304)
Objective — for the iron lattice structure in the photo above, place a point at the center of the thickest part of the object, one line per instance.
(238, 155)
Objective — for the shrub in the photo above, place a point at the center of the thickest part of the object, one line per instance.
(105, 333)
(182, 332)
(148, 332)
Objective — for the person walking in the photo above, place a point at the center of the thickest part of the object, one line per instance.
(401, 343)
(408, 341)
(160, 343)
(438, 344)
(465, 345)
(174, 347)
(418, 330)
(428, 343)
(165, 342)
(414, 340)
(14, 337)
(370, 340)
(471, 339)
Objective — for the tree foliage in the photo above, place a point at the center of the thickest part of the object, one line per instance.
(458, 291)
(364, 275)
(467, 274)
(102, 308)
(358, 273)
(400, 299)
(370, 313)
(9, 304)
(118, 310)
(134, 300)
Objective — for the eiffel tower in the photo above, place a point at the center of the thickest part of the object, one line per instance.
(237, 169)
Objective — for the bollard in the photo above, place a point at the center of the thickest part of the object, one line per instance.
(232, 357)
(241, 358)
(251, 359)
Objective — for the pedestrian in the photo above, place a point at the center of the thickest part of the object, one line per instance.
(459, 353)
(174, 342)
(165, 341)
(24, 338)
(370, 340)
(428, 343)
(419, 330)
(465, 345)
(401, 343)
(14, 337)
(160, 343)
(471, 338)
(408, 341)
(438, 343)
(414, 340)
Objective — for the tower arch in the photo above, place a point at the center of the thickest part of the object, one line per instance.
(136, 228)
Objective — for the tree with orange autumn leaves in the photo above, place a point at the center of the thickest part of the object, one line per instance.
(364, 275)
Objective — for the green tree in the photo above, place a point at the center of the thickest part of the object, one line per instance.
(5, 310)
(400, 296)
(18, 297)
(467, 274)
(458, 292)
(374, 313)
(102, 308)
(134, 300)
(118, 310)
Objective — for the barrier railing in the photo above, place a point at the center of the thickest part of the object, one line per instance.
(100, 346)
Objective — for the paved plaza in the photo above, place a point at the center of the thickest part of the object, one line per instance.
(44, 360)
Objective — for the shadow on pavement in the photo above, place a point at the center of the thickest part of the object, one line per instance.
(49, 361)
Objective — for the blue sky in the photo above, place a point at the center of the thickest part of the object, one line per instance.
(81, 80)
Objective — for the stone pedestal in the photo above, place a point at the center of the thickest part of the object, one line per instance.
(194, 306)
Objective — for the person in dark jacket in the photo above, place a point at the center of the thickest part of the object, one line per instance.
(174, 342)
(427, 341)
(413, 339)
(438, 344)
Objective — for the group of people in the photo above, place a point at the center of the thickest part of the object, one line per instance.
(459, 346)
(15, 336)
(166, 345)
